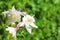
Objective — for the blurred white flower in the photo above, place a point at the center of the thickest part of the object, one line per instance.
(28, 22)
(12, 31)
(13, 15)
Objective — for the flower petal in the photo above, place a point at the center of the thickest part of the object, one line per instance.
(9, 28)
(13, 8)
(20, 24)
(28, 28)
(5, 12)
(23, 13)
(14, 34)
(33, 25)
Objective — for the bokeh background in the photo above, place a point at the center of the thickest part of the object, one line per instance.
(47, 16)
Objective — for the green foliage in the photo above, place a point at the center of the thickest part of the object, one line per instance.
(47, 16)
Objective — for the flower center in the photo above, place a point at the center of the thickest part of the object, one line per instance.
(29, 20)
(13, 16)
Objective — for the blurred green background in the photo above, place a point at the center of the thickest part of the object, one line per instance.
(47, 16)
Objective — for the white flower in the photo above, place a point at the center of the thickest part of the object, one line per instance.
(28, 22)
(12, 31)
(13, 15)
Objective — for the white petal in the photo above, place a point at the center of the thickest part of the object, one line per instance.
(5, 12)
(28, 28)
(13, 8)
(20, 24)
(6, 28)
(14, 34)
(9, 28)
(33, 25)
(23, 13)
(24, 19)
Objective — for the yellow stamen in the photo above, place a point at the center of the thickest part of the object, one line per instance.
(4, 15)
(29, 20)
(13, 16)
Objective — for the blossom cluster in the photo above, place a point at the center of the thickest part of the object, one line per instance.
(15, 16)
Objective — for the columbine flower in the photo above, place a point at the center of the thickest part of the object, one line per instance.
(28, 22)
(12, 30)
(13, 15)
